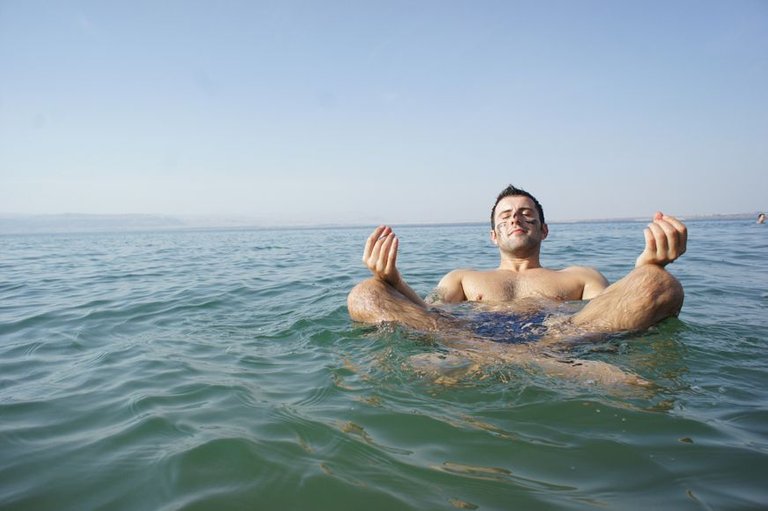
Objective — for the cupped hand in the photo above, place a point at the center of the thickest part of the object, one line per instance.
(380, 255)
(666, 238)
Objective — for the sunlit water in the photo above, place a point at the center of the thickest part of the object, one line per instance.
(219, 370)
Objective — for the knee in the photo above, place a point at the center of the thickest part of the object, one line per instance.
(660, 288)
(646, 296)
(364, 298)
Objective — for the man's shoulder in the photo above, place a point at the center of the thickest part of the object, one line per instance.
(579, 270)
(584, 274)
(461, 272)
(460, 276)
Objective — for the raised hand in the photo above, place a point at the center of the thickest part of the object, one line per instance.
(665, 240)
(380, 255)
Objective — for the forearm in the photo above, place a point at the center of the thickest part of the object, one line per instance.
(403, 288)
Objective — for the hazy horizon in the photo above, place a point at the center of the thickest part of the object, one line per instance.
(11, 224)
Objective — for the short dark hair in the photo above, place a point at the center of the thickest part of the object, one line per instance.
(511, 191)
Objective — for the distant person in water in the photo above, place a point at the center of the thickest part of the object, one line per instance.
(644, 297)
(761, 218)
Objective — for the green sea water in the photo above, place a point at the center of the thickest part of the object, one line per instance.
(218, 370)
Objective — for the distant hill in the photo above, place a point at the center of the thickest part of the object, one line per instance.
(17, 224)
(732, 216)
(686, 218)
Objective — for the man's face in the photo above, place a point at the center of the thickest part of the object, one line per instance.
(518, 226)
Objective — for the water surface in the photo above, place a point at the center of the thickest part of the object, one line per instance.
(219, 370)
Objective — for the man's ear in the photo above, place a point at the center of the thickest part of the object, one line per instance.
(493, 238)
(544, 231)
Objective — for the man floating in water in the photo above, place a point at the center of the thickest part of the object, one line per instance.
(644, 297)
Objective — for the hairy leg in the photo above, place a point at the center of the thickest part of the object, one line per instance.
(463, 361)
(646, 296)
(375, 301)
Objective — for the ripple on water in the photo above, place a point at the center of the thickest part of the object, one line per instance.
(219, 370)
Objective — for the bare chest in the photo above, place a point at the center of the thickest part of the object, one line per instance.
(502, 286)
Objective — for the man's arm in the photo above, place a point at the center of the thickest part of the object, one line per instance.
(450, 289)
(586, 283)
(380, 256)
(594, 283)
(666, 238)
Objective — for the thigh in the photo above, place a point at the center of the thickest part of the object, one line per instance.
(646, 296)
(375, 301)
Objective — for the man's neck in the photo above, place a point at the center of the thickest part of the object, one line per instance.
(519, 264)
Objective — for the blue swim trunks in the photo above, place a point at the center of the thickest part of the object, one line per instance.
(508, 328)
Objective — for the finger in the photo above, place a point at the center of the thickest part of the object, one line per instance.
(674, 222)
(384, 246)
(683, 245)
(379, 234)
(682, 233)
(380, 252)
(369, 243)
(650, 242)
(672, 236)
(392, 259)
(372, 257)
(386, 241)
(660, 240)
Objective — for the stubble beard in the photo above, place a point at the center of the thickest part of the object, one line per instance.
(520, 246)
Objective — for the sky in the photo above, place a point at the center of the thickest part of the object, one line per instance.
(365, 112)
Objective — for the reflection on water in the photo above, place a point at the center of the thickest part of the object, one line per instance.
(219, 370)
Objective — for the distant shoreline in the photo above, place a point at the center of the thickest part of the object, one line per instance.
(94, 223)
